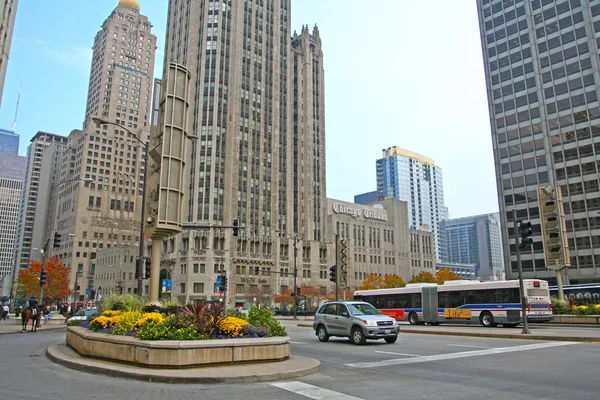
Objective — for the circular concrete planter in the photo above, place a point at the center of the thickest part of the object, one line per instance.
(176, 353)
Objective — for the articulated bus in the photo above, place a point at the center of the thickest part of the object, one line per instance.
(487, 303)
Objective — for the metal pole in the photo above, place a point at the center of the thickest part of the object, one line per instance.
(521, 285)
(559, 283)
(295, 276)
(140, 268)
(337, 269)
(41, 273)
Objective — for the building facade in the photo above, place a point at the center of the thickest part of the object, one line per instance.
(476, 240)
(12, 166)
(257, 105)
(107, 211)
(32, 195)
(366, 198)
(380, 240)
(10, 199)
(464, 271)
(8, 13)
(415, 179)
(541, 63)
(9, 141)
(115, 270)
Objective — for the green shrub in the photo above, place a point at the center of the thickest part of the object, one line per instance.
(122, 302)
(75, 323)
(264, 318)
(560, 307)
(164, 331)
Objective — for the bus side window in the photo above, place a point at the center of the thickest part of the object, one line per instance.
(416, 300)
(442, 300)
(455, 299)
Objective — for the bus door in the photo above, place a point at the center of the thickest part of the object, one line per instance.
(429, 303)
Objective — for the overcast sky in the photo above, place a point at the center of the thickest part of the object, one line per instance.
(397, 72)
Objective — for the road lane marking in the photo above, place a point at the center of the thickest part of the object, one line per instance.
(397, 354)
(469, 345)
(450, 356)
(313, 392)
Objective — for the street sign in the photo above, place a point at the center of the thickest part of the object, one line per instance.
(165, 286)
(219, 281)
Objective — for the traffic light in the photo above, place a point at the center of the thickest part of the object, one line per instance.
(256, 270)
(223, 287)
(298, 291)
(526, 232)
(57, 237)
(236, 225)
(147, 270)
(553, 227)
(333, 274)
(43, 277)
(92, 294)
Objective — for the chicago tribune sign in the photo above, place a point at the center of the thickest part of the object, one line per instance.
(340, 208)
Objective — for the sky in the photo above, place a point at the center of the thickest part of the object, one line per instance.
(397, 73)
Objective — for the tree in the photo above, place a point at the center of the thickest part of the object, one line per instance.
(57, 284)
(311, 294)
(423, 277)
(284, 297)
(445, 274)
(348, 293)
(374, 281)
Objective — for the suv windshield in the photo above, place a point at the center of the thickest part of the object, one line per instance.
(362, 309)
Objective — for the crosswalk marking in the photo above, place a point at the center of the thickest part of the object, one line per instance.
(450, 356)
(469, 345)
(313, 392)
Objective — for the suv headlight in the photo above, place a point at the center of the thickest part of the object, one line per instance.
(370, 322)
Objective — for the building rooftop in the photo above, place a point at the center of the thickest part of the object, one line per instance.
(397, 151)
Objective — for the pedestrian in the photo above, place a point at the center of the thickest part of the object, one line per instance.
(5, 312)
(47, 314)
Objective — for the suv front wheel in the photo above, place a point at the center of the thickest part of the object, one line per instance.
(322, 333)
(357, 336)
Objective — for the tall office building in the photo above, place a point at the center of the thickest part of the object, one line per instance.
(476, 240)
(541, 67)
(106, 212)
(31, 194)
(8, 13)
(257, 105)
(9, 142)
(411, 177)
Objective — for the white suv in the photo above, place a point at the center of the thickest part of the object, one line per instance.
(356, 320)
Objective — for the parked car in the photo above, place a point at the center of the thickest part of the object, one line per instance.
(83, 315)
(356, 320)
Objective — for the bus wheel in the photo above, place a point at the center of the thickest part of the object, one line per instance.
(487, 319)
(413, 319)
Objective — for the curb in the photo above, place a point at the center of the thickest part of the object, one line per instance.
(305, 325)
(294, 367)
(504, 335)
(39, 330)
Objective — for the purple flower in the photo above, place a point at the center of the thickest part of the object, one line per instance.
(262, 330)
(107, 330)
(85, 324)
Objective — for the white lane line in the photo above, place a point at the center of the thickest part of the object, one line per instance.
(299, 342)
(469, 345)
(450, 356)
(313, 392)
(397, 354)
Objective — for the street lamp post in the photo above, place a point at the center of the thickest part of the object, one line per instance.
(146, 145)
(295, 239)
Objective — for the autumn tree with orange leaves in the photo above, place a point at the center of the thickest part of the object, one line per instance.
(423, 277)
(57, 284)
(374, 281)
(445, 274)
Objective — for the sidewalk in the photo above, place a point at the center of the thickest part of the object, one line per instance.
(9, 326)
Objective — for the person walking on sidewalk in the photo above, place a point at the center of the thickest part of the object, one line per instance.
(5, 312)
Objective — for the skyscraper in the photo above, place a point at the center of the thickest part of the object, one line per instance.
(540, 60)
(8, 13)
(475, 240)
(9, 142)
(32, 192)
(10, 198)
(257, 105)
(106, 212)
(411, 177)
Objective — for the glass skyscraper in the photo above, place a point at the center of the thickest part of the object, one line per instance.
(411, 177)
(541, 67)
(9, 142)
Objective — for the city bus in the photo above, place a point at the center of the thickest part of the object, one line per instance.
(585, 293)
(487, 303)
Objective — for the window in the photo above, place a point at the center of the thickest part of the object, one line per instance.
(239, 289)
(182, 288)
(198, 287)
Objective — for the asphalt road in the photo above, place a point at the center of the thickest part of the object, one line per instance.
(415, 367)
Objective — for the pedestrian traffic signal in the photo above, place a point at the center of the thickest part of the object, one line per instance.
(43, 277)
(333, 274)
(298, 291)
(57, 237)
(92, 294)
(148, 263)
(236, 224)
(223, 287)
(526, 232)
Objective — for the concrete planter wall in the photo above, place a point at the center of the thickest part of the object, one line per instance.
(175, 353)
(576, 319)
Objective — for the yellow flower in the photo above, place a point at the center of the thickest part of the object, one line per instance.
(148, 317)
(232, 326)
(597, 306)
(583, 307)
(111, 313)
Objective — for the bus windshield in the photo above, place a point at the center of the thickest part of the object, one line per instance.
(362, 309)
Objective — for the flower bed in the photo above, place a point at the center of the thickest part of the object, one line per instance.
(568, 308)
(198, 321)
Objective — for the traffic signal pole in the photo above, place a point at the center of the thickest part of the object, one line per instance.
(337, 263)
(520, 267)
